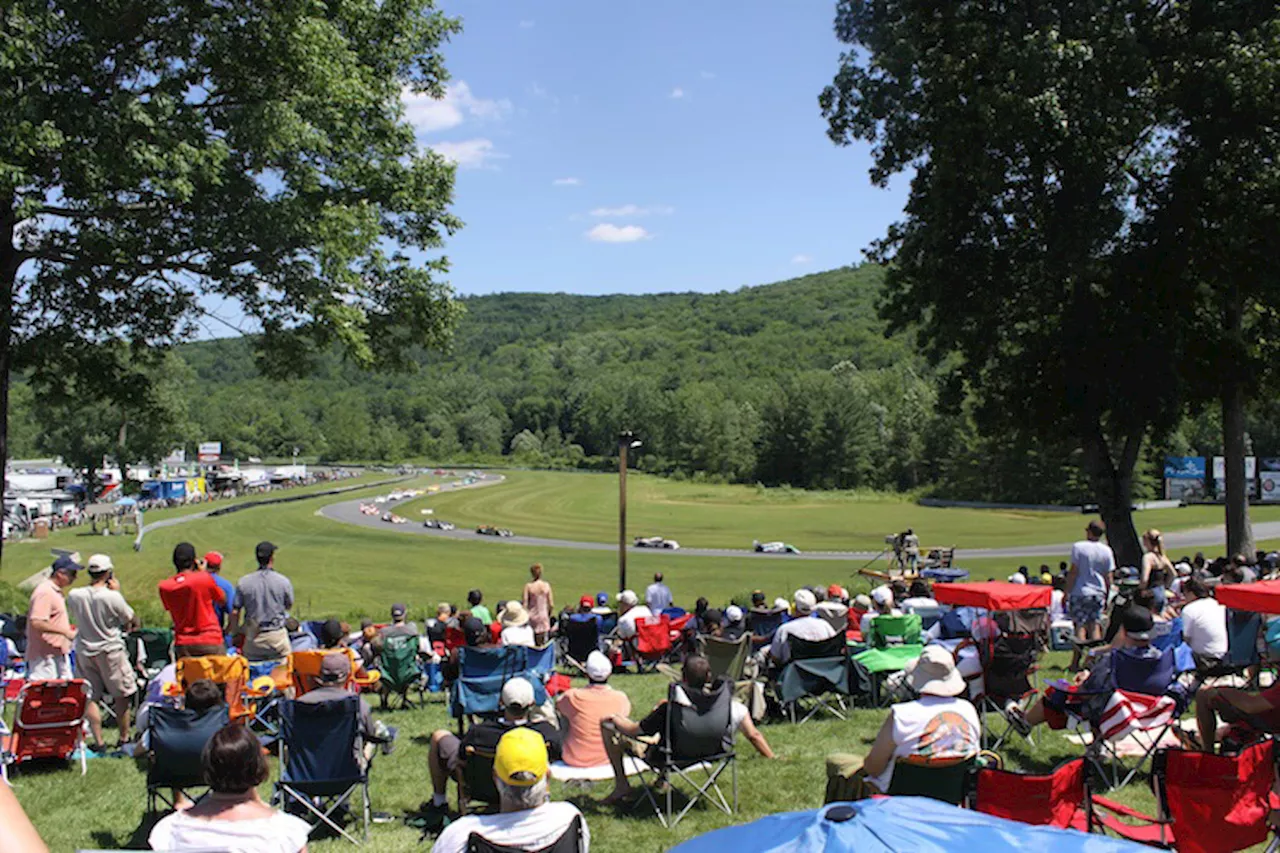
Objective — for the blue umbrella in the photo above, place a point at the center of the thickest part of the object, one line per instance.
(897, 824)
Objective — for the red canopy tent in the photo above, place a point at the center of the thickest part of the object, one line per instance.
(1258, 597)
(993, 595)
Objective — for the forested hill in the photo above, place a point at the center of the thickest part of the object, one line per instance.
(789, 383)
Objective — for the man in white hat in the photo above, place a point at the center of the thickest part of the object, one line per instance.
(630, 610)
(881, 605)
(515, 626)
(805, 625)
(583, 708)
(939, 727)
(102, 618)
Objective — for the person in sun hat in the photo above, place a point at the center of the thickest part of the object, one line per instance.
(583, 708)
(515, 626)
(630, 610)
(529, 820)
(447, 751)
(937, 727)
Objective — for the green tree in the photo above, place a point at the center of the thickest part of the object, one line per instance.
(1030, 130)
(153, 155)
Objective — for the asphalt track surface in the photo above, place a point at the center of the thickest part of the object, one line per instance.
(348, 512)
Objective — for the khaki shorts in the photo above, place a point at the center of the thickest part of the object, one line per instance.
(107, 674)
(268, 645)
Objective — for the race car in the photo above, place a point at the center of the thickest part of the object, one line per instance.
(392, 518)
(656, 542)
(490, 530)
(774, 548)
(437, 524)
(368, 509)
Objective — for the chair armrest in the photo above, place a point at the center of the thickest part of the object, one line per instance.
(1125, 811)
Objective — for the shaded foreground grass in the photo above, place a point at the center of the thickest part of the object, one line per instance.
(583, 507)
(105, 808)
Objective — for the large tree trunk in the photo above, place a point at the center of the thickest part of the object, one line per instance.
(1112, 483)
(1239, 530)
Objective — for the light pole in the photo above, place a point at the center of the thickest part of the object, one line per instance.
(626, 441)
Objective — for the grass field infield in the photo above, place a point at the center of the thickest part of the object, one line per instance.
(584, 507)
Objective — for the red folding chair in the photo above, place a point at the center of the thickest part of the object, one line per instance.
(1206, 803)
(47, 724)
(652, 642)
(1060, 798)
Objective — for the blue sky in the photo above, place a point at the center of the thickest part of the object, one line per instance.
(642, 147)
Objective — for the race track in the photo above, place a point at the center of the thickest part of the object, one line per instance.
(348, 512)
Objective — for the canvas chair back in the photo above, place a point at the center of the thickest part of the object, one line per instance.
(150, 649)
(1054, 799)
(653, 636)
(320, 742)
(727, 657)
(1219, 802)
(1242, 637)
(505, 661)
(700, 726)
(569, 842)
(1032, 620)
(477, 776)
(763, 623)
(832, 647)
(304, 668)
(1148, 675)
(582, 637)
(48, 722)
(400, 662)
(945, 781)
(1007, 661)
(894, 631)
(178, 737)
(230, 672)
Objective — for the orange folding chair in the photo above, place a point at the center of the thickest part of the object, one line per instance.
(48, 724)
(304, 670)
(230, 672)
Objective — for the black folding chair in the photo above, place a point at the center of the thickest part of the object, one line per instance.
(698, 736)
(581, 638)
(319, 771)
(177, 739)
(817, 669)
(569, 842)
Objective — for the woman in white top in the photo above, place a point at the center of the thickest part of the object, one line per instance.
(233, 816)
(515, 626)
(937, 727)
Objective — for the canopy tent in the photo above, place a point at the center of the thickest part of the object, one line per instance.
(1258, 597)
(894, 824)
(994, 595)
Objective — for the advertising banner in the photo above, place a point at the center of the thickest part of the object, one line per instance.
(1270, 485)
(1184, 468)
(1184, 490)
(210, 451)
(176, 457)
(1250, 475)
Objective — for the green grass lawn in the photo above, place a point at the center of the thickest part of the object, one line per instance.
(105, 809)
(584, 507)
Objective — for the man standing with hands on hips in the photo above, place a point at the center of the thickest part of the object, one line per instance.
(263, 601)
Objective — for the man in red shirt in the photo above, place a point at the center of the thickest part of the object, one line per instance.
(190, 597)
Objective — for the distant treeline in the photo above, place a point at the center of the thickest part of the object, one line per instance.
(792, 383)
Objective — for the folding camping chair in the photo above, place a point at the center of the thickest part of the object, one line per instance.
(1009, 661)
(475, 781)
(177, 738)
(762, 624)
(319, 771)
(697, 736)
(303, 671)
(230, 672)
(891, 643)
(889, 631)
(570, 841)
(481, 674)
(580, 637)
(946, 781)
(150, 650)
(541, 660)
(1060, 798)
(1134, 710)
(48, 723)
(400, 671)
(1204, 803)
(816, 668)
(726, 657)
(652, 644)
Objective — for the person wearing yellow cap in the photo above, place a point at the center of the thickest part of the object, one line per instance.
(529, 820)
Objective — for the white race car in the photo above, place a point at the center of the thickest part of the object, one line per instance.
(368, 509)
(438, 524)
(774, 548)
(656, 542)
(394, 519)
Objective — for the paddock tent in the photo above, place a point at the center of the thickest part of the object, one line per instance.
(1258, 597)
(896, 824)
(994, 595)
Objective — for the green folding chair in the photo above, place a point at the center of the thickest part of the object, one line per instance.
(887, 631)
(400, 671)
(948, 782)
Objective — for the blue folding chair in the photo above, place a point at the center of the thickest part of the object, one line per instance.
(1149, 676)
(482, 672)
(763, 624)
(541, 661)
(176, 739)
(319, 771)
(1170, 637)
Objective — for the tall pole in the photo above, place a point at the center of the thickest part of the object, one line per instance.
(624, 442)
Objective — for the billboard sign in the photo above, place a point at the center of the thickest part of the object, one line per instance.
(176, 457)
(1184, 468)
(1271, 485)
(1250, 475)
(210, 451)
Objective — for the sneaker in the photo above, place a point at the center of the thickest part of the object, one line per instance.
(389, 745)
(381, 817)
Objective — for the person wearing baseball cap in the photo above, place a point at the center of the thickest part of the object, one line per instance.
(447, 751)
(191, 597)
(212, 563)
(881, 605)
(399, 627)
(49, 630)
(262, 603)
(941, 724)
(583, 709)
(333, 681)
(806, 626)
(1086, 697)
(529, 820)
(102, 618)
(735, 623)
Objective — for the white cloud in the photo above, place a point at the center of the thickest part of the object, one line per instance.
(634, 210)
(566, 182)
(469, 153)
(677, 93)
(801, 259)
(428, 114)
(607, 232)
(708, 75)
(526, 25)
